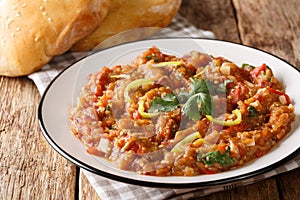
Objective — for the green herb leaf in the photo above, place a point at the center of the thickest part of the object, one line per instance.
(252, 112)
(198, 86)
(245, 65)
(191, 109)
(206, 103)
(164, 104)
(217, 157)
(149, 57)
(199, 100)
(196, 102)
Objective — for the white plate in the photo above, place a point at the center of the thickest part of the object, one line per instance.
(60, 96)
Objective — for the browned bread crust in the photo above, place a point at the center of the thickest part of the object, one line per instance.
(125, 15)
(32, 32)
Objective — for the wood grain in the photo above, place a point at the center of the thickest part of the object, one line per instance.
(272, 26)
(216, 16)
(202, 15)
(289, 184)
(262, 190)
(251, 22)
(29, 167)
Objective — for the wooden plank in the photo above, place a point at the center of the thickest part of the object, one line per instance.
(249, 23)
(272, 26)
(262, 190)
(86, 191)
(216, 16)
(266, 189)
(29, 167)
(289, 184)
(220, 18)
(202, 15)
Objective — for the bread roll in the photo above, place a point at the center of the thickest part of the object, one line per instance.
(32, 32)
(125, 15)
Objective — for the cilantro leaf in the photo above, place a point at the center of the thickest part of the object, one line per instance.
(164, 104)
(198, 86)
(206, 103)
(252, 112)
(246, 65)
(217, 157)
(149, 57)
(195, 102)
(190, 108)
(199, 100)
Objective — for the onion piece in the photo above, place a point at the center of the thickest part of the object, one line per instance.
(225, 69)
(233, 147)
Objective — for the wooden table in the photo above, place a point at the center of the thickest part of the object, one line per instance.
(31, 169)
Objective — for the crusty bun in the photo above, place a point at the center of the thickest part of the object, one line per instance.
(129, 14)
(33, 31)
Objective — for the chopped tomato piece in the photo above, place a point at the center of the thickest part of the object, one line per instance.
(135, 147)
(258, 70)
(259, 153)
(221, 149)
(280, 93)
(233, 155)
(94, 151)
(207, 171)
(140, 149)
(235, 95)
(136, 115)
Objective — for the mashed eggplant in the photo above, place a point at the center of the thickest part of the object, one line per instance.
(170, 116)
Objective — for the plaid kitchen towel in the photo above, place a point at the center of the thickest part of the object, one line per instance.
(110, 189)
(179, 27)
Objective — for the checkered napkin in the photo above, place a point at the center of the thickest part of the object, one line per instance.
(110, 189)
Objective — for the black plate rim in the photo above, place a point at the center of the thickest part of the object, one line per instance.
(157, 184)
